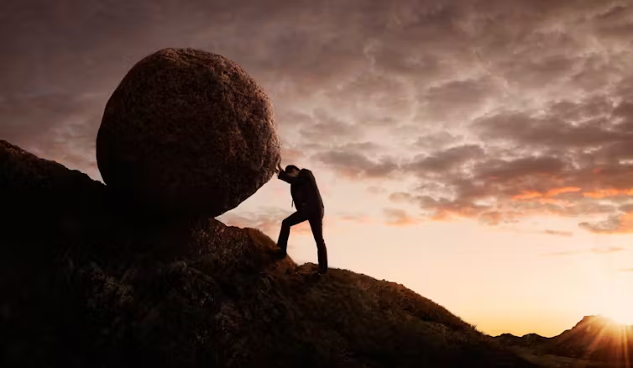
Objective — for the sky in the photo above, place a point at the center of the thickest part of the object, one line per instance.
(480, 152)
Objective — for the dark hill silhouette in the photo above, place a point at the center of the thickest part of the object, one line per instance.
(595, 339)
(529, 340)
(89, 280)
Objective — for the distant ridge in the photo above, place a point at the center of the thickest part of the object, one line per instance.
(594, 338)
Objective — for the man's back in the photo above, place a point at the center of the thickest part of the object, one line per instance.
(305, 192)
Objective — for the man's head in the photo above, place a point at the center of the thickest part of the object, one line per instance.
(292, 170)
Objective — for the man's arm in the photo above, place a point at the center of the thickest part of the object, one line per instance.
(287, 178)
(281, 174)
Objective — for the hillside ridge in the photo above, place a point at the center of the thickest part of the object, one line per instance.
(90, 279)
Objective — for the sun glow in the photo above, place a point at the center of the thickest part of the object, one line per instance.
(622, 315)
(609, 293)
(618, 305)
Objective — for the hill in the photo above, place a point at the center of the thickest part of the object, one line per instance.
(529, 340)
(595, 341)
(90, 280)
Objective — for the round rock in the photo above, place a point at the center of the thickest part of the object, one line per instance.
(187, 131)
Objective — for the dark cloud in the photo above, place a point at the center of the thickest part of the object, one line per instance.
(355, 165)
(548, 132)
(454, 99)
(568, 159)
(326, 127)
(58, 127)
(525, 168)
(618, 223)
(373, 99)
(436, 141)
(509, 102)
(369, 147)
(445, 161)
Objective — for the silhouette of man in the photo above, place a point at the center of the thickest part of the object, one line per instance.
(305, 194)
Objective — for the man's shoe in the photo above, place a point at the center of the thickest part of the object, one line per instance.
(281, 253)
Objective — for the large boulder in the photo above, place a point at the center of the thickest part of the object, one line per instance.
(188, 131)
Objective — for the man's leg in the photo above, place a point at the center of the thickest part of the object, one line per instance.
(284, 233)
(316, 224)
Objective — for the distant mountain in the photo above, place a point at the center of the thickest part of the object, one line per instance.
(529, 340)
(594, 338)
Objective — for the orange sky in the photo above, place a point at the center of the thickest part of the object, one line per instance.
(478, 151)
(518, 277)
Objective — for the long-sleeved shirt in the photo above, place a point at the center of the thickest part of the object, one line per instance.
(305, 192)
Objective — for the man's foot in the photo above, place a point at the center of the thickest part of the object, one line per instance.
(281, 253)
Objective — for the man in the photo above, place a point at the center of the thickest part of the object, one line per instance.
(305, 194)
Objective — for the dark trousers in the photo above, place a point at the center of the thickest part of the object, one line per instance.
(316, 224)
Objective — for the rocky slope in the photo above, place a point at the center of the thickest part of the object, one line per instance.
(88, 280)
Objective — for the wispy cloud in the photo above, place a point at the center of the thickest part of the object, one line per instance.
(399, 218)
(596, 250)
(558, 233)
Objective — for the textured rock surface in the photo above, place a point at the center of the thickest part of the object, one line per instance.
(190, 131)
(39, 191)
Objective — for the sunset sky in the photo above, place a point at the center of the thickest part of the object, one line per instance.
(478, 152)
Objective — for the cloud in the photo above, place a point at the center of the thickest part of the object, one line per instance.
(563, 253)
(558, 233)
(399, 218)
(60, 127)
(565, 161)
(355, 165)
(455, 98)
(326, 126)
(356, 218)
(436, 141)
(491, 109)
(374, 189)
(267, 219)
(615, 224)
(548, 131)
(609, 192)
(607, 250)
(445, 161)
(597, 250)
